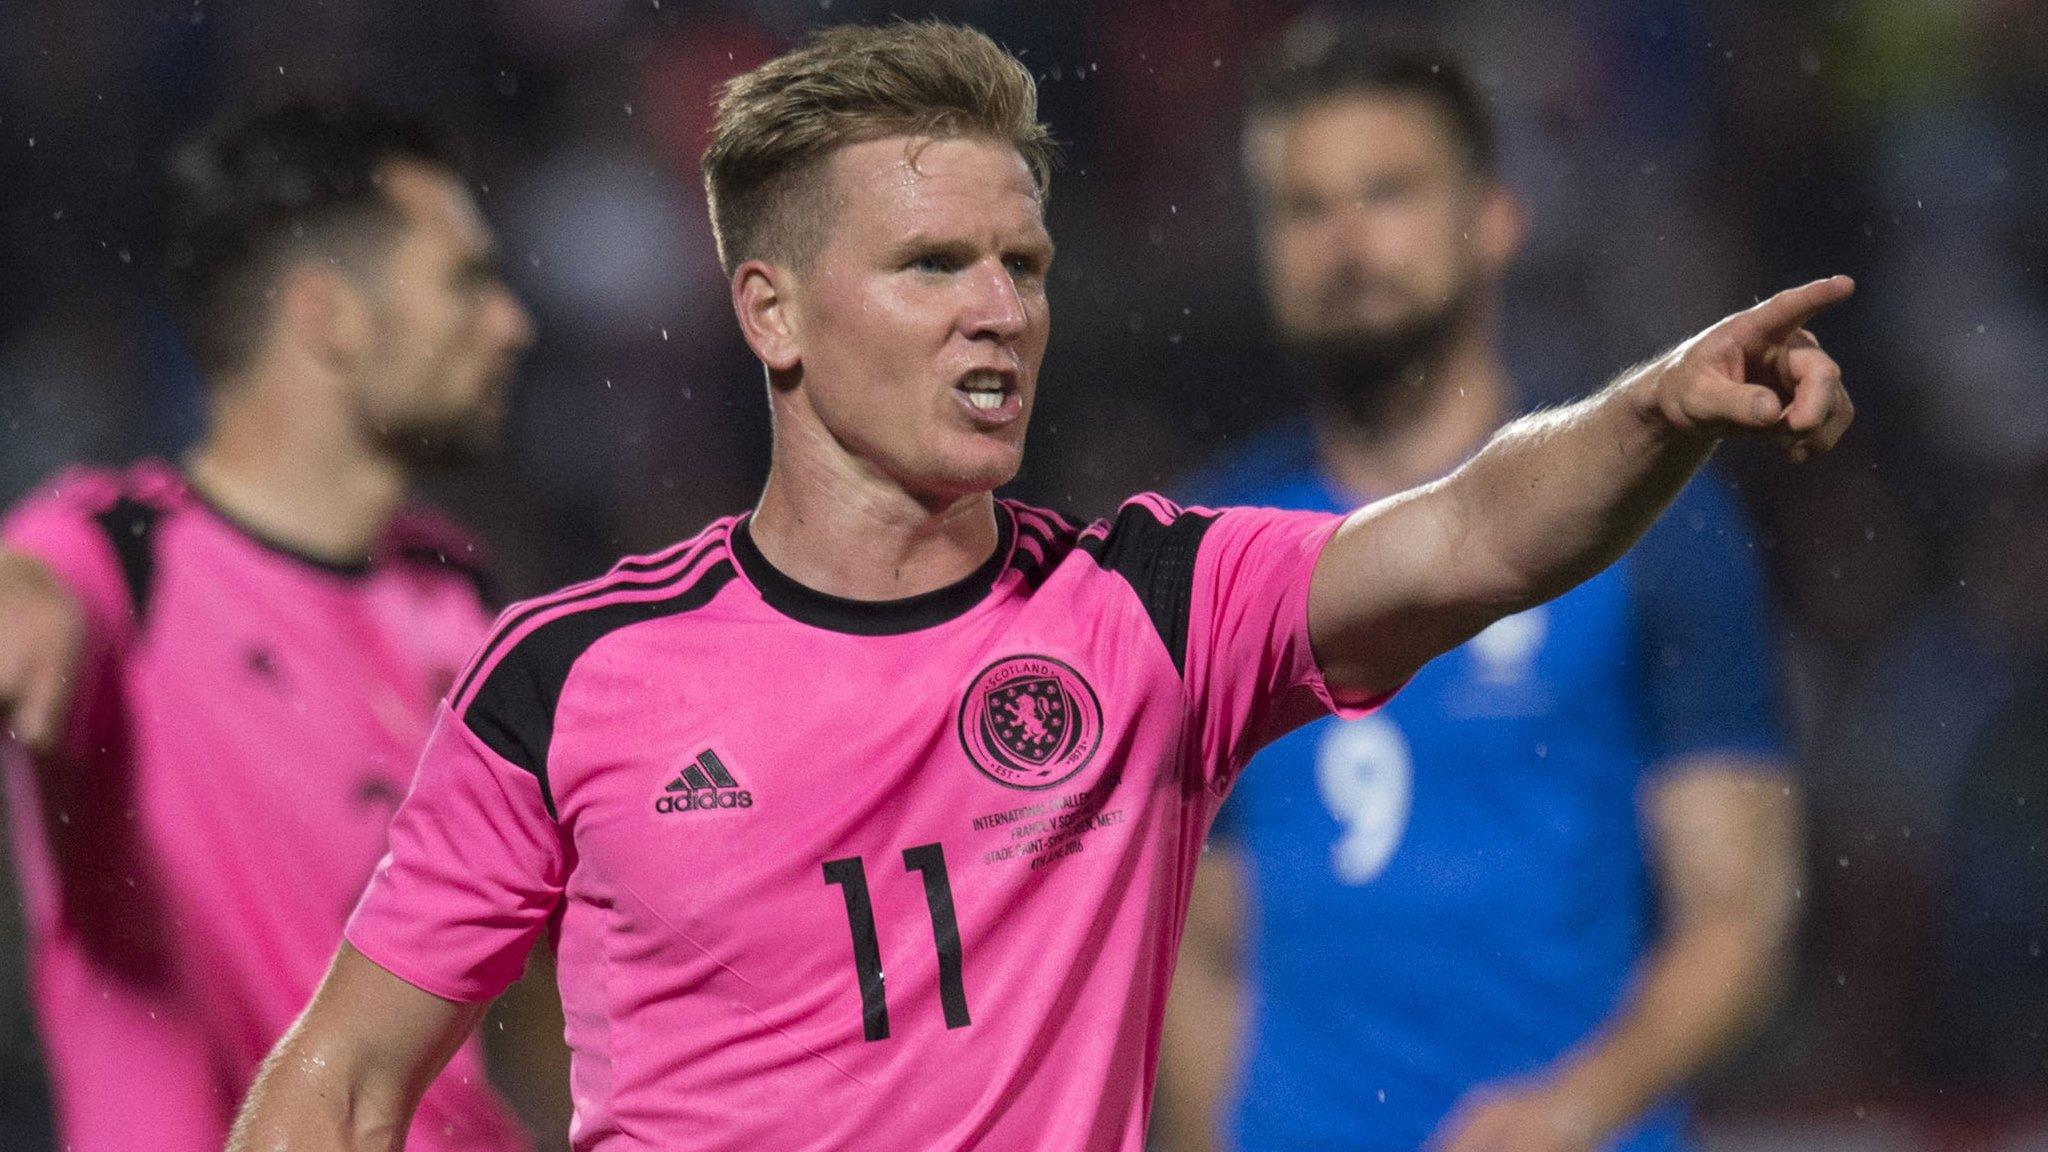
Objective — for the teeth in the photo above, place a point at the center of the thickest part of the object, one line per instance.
(984, 390)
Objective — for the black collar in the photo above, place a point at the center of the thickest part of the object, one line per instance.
(871, 617)
(350, 568)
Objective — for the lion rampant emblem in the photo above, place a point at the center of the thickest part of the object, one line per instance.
(1030, 722)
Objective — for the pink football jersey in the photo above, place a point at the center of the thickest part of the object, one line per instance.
(830, 874)
(244, 725)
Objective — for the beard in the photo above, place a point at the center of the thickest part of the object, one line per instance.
(1369, 373)
(425, 445)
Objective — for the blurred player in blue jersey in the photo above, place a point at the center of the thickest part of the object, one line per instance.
(1523, 905)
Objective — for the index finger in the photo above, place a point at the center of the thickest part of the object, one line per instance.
(1778, 317)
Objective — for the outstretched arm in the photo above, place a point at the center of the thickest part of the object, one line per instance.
(350, 1072)
(1559, 495)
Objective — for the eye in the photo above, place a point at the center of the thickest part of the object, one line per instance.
(934, 263)
(1304, 209)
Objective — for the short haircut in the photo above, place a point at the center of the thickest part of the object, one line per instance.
(779, 124)
(257, 190)
(1317, 58)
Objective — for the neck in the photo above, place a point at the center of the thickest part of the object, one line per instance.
(833, 525)
(296, 472)
(1441, 411)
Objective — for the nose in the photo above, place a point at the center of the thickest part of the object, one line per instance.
(514, 321)
(996, 308)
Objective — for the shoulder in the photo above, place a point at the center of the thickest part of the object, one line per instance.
(88, 519)
(544, 635)
(1146, 531)
(423, 537)
(1148, 547)
(508, 694)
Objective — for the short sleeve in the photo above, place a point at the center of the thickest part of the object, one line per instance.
(1698, 595)
(1251, 676)
(96, 541)
(475, 870)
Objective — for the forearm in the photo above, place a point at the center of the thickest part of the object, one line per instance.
(302, 1103)
(1726, 834)
(1695, 997)
(1195, 1057)
(1558, 496)
(349, 1074)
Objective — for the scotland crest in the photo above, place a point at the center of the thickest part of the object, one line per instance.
(1030, 722)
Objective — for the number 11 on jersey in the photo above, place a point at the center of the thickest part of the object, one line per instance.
(852, 877)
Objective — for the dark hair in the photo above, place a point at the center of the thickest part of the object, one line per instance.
(1316, 58)
(254, 190)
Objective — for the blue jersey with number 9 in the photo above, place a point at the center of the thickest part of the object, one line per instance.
(1454, 890)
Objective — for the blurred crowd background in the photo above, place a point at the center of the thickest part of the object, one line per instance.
(1678, 159)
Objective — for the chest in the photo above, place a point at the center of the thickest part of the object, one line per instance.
(290, 677)
(714, 772)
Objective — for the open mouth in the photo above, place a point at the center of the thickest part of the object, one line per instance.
(985, 389)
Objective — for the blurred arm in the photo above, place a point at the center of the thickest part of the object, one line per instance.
(1725, 834)
(39, 651)
(350, 1072)
(1203, 1021)
(1558, 496)
(1728, 852)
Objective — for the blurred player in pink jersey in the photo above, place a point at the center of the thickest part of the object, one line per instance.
(867, 820)
(225, 670)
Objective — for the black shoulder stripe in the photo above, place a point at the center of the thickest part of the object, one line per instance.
(603, 586)
(131, 528)
(513, 711)
(1158, 560)
(479, 578)
(1043, 540)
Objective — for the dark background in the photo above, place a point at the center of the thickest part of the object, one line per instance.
(1679, 160)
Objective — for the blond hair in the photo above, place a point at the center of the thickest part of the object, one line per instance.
(778, 124)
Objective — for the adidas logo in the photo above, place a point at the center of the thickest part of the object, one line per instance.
(702, 785)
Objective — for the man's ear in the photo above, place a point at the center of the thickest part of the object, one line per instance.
(763, 299)
(1500, 228)
(323, 313)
